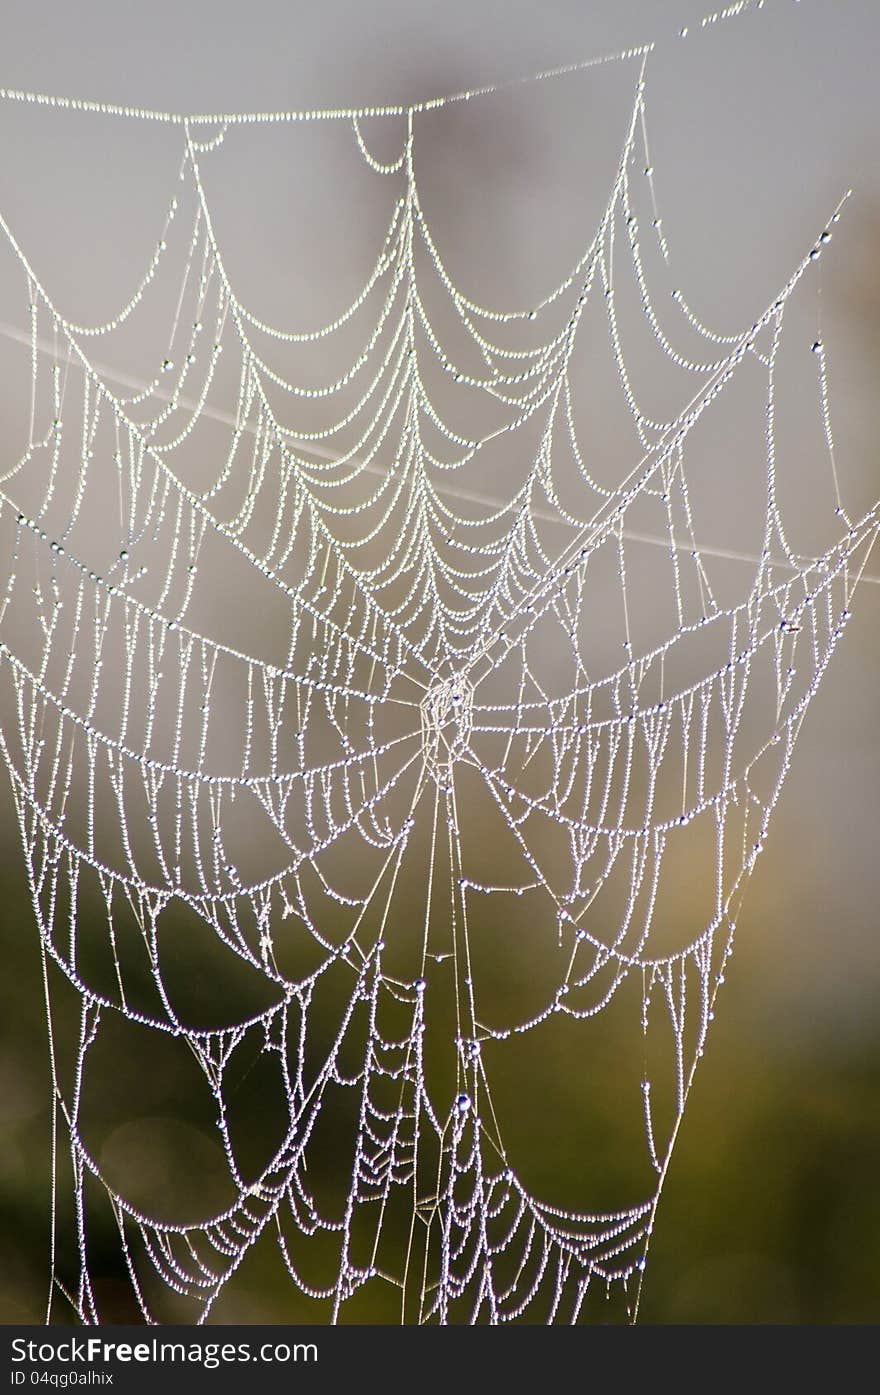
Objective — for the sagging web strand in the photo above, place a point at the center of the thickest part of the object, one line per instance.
(416, 623)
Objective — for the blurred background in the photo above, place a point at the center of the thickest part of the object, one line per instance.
(758, 126)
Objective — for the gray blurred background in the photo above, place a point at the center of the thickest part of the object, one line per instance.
(757, 127)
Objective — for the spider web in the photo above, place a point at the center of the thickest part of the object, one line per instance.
(535, 710)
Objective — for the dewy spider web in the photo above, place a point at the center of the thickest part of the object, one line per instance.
(317, 812)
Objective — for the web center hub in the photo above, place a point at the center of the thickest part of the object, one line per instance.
(447, 720)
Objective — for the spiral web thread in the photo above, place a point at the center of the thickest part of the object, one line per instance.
(418, 621)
